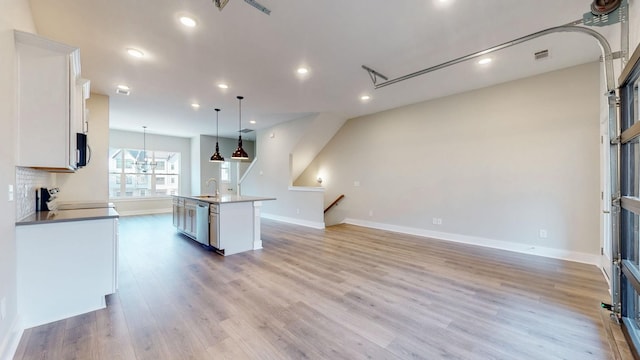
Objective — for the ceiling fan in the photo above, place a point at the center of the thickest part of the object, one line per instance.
(221, 3)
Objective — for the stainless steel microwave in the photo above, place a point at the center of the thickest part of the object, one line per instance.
(83, 150)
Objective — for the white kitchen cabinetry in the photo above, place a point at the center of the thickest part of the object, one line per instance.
(65, 268)
(233, 221)
(190, 219)
(51, 102)
(178, 213)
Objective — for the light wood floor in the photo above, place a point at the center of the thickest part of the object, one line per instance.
(341, 293)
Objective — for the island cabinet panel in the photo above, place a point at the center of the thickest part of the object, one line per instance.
(235, 227)
(65, 268)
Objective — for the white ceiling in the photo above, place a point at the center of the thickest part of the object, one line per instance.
(257, 54)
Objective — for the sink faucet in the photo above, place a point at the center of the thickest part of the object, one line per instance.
(217, 193)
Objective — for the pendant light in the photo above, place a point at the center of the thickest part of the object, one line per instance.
(216, 157)
(145, 165)
(239, 153)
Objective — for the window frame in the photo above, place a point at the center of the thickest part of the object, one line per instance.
(128, 182)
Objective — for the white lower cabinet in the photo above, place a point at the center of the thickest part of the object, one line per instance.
(190, 219)
(65, 268)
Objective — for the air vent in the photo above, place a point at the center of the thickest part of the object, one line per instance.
(244, 131)
(541, 54)
(123, 92)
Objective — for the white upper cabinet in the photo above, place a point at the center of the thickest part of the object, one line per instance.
(51, 102)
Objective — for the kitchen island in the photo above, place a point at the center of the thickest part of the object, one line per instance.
(230, 224)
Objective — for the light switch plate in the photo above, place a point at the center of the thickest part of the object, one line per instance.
(10, 192)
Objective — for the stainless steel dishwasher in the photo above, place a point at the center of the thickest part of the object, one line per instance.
(202, 223)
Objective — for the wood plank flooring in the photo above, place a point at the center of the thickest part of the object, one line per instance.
(341, 293)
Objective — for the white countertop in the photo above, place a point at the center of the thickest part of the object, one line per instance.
(222, 199)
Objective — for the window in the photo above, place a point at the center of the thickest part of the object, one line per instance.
(126, 181)
(625, 212)
(225, 173)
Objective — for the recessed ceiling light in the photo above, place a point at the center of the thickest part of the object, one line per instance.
(252, 121)
(442, 3)
(123, 90)
(484, 61)
(365, 97)
(302, 70)
(195, 105)
(223, 86)
(187, 21)
(135, 52)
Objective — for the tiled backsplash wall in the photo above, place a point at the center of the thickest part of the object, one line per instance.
(27, 181)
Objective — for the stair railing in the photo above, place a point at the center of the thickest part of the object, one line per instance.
(334, 203)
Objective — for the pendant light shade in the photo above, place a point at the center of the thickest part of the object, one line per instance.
(239, 153)
(216, 157)
(143, 163)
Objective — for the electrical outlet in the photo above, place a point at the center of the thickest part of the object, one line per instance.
(298, 211)
(356, 183)
(542, 234)
(370, 212)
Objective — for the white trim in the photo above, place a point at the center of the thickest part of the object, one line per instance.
(603, 264)
(530, 249)
(306, 188)
(10, 344)
(144, 212)
(307, 223)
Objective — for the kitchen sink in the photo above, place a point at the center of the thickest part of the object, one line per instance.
(206, 196)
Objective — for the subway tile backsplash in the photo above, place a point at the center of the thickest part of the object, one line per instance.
(27, 181)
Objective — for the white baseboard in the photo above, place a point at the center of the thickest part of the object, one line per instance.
(592, 259)
(144, 212)
(290, 220)
(10, 344)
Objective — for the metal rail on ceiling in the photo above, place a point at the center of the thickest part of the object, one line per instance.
(602, 42)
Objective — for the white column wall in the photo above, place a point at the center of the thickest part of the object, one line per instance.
(14, 14)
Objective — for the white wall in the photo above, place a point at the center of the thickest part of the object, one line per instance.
(91, 183)
(496, 165)
(321, 129)
(634, 25)
(271, 176)
(128, 139)
(196, 171)
(14, 14)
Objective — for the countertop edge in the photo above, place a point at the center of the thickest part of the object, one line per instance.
(222, 200)
(59, 216)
